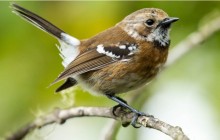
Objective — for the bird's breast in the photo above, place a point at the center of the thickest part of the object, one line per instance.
(124, 76)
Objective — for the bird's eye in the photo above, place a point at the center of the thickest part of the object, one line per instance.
(149, 22)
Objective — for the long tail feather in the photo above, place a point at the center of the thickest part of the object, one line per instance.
(37, 20)
(69, 45)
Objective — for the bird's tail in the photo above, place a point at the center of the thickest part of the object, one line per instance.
(69, 45)
(36, 20)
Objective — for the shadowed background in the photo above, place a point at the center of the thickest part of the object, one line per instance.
(29, 62)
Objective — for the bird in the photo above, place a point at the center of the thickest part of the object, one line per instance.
(116, 60)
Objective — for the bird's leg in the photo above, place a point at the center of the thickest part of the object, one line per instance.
(119, 105)
(123, 103)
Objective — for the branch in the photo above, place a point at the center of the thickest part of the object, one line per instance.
(174, 132)
(60, 116)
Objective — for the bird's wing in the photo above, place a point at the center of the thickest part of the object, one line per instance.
(97, 58)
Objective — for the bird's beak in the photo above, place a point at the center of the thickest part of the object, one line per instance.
(167, 21)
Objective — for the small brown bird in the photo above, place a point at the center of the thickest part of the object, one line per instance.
(117, 60)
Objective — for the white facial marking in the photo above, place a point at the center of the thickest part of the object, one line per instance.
(162, 37)
(133, 33)
(159, 35)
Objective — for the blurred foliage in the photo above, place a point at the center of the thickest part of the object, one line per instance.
(29, 59)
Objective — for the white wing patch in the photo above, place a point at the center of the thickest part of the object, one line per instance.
(68, 48)
(118, 51)
(122, 47)
(100, 49)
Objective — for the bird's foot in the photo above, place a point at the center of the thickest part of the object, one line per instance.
(124, 108)
(135, 117)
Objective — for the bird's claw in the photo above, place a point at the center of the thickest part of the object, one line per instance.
(135, 117)
(115, 108)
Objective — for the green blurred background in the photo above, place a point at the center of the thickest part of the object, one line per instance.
(29, 62)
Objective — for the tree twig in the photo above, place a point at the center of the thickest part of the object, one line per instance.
(61, 115)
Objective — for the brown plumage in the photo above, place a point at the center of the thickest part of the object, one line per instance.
(117, 60)
(117, 77)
